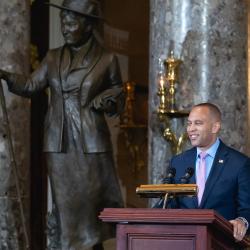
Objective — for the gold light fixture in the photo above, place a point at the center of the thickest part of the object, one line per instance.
(172, 66)
(167, 79)
(130, 129)
(127, 118)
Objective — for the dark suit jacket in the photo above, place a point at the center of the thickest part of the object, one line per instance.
(227, 188)
(98, 73)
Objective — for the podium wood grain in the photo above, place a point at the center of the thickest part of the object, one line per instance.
(181, 229)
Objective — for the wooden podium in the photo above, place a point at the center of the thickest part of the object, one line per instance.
(180, 229)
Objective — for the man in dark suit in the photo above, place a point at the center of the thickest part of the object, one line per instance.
(225, 184)
(85, 84)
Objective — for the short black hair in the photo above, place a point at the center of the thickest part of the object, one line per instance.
(215, 111)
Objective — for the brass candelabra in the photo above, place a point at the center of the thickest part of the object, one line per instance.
(127, 116)
(172, 67)
(130, 128)
(167, 79)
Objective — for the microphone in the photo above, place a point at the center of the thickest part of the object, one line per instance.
(188, 174)
(169, 179)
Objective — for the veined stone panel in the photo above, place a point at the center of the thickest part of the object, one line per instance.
(14, 54)
(248, 58)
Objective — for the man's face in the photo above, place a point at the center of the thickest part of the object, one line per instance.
(202, 127)
(74, 28)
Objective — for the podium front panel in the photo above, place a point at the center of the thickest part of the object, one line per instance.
(158, 237)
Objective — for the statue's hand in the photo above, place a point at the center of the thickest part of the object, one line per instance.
(103, 104)
(109, 106)
(1, 74)
(4, 74)
(110, 101)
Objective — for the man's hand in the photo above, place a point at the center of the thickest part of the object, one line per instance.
(239, 229)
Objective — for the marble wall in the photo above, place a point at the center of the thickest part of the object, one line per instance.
(248, 92)
(210, 37)
(14, 54)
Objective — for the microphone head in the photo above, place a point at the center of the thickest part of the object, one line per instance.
(190, 171)
(188, 174)
(171, 171)
(169, 179)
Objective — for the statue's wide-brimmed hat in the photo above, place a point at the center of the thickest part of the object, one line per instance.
(89, 8)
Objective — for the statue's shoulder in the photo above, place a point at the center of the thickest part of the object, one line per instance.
(108, 55)
(103, 49)
(54, 53)
(107, 51)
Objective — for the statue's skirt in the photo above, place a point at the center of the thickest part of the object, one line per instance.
(82, 185)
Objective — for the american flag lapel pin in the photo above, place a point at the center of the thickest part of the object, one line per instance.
(221, 161)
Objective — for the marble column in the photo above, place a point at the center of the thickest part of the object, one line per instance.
(14, 54)
(248, 57)
(210, 37)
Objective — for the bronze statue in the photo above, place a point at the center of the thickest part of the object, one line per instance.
(85, 83)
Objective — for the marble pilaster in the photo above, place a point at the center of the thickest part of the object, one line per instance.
(14, 54)
(210, 37)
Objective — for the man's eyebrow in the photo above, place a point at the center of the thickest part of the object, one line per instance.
(194, 121)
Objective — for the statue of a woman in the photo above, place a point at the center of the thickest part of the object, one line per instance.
(85, 83)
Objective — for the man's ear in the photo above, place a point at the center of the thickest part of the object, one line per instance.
(216, 127)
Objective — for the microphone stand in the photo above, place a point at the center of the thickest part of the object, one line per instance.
(165, 201)
(168, 180)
